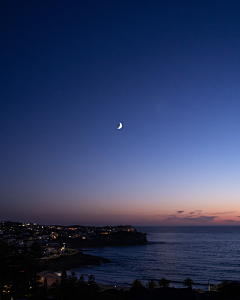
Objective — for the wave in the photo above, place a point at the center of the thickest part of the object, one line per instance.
(162, 243)
(156, 243)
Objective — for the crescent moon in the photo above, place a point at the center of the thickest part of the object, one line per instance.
(120, 125)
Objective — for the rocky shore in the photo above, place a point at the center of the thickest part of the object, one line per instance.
(67, 262)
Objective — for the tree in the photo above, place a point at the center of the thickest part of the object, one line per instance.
(151, 284)
(5, 268)
(163, 282)
(226, 282)
(91, 279)
(73, 279)
(137, 283)
(188, 282)
(18, 268)
(64, 274)
(81, 279)
(44, 288)
(92, 284)
(72, 288)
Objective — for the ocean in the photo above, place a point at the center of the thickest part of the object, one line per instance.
(204, 254)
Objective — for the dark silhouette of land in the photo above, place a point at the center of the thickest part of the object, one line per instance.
(21, 263)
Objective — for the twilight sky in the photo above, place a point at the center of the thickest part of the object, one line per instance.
(169, 70)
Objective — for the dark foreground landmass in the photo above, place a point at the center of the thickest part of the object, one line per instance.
(67, 262)
(29, 249)
(19, 280)
(89, 290)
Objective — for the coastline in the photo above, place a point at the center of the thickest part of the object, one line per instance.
(68, 262)
(50, 275)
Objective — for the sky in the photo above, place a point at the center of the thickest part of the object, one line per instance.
(168, 70)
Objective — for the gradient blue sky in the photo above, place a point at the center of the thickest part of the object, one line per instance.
(168, 70)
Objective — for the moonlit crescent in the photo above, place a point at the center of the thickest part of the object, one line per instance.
(120, 125)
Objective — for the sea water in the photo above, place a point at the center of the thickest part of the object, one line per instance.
(204, 254)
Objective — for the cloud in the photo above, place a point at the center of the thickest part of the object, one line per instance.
(194, 213)
(225, 212)
(192, 219)
(172, 217)
(200, 219)
(197, 211)
(197, 217)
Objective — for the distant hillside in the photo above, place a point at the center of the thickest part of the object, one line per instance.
(112, 239)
